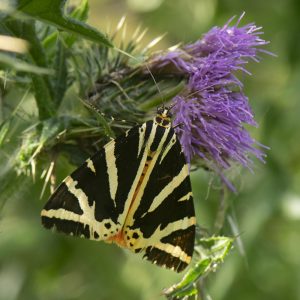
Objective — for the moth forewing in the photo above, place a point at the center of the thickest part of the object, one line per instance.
(135, 192)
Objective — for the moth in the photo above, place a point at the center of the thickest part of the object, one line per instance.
(134, 192)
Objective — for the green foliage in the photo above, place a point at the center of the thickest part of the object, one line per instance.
(51, 11)
(210, 252)
(59, 69)
(20, 65)
(47, 127)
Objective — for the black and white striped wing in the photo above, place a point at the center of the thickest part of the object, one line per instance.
(161, 221)
(134, 192)
(92, 201)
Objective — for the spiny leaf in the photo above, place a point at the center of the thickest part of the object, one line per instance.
(51, 12)
(61, 73)
(212, 252)
(80, 13)
(183, 288)
(20, 65)
(4, 127)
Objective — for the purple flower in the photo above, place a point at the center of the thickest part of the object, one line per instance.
(212, 110)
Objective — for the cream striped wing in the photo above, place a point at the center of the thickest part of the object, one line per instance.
(134, 192)
(161, 220)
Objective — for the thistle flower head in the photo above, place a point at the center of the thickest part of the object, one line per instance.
(213, 109)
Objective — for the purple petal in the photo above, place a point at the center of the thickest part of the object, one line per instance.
(213, 109)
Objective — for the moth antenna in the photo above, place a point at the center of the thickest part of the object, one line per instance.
(159, 91)
(171, 106)
(148, 69)
(113, 119)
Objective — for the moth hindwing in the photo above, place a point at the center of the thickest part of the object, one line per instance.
(134, 192)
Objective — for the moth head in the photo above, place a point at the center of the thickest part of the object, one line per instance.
(163, 116)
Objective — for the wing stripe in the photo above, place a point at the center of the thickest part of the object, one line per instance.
(186, 197)
(168, 189)
(66, 226)
(63, 214)
(62, 198)
(153, 139)
(135, 192)
(171, 143)
(173, 226)
(164, 259)
(90, 165)
(175, 251)
(169, 211)
(158, 140)
(103, 231)
(160, 233)
(112, 170)
(88, 211)
(142, 131)
(129, 200)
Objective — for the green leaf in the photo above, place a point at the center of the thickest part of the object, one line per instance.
(20, 65)
(79, 13)
(4, 127)
(212, 252)
(61, 73)
(184, 287)
(43, 89)
(190, 291)
(51, 12)
(216, 248)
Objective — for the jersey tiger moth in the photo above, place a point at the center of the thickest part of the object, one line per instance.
(134, 192)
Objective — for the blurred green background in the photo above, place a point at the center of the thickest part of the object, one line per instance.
(35, 264)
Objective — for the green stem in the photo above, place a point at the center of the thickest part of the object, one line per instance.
(42, 87)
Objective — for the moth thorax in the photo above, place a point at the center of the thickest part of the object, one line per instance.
(163, 118)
